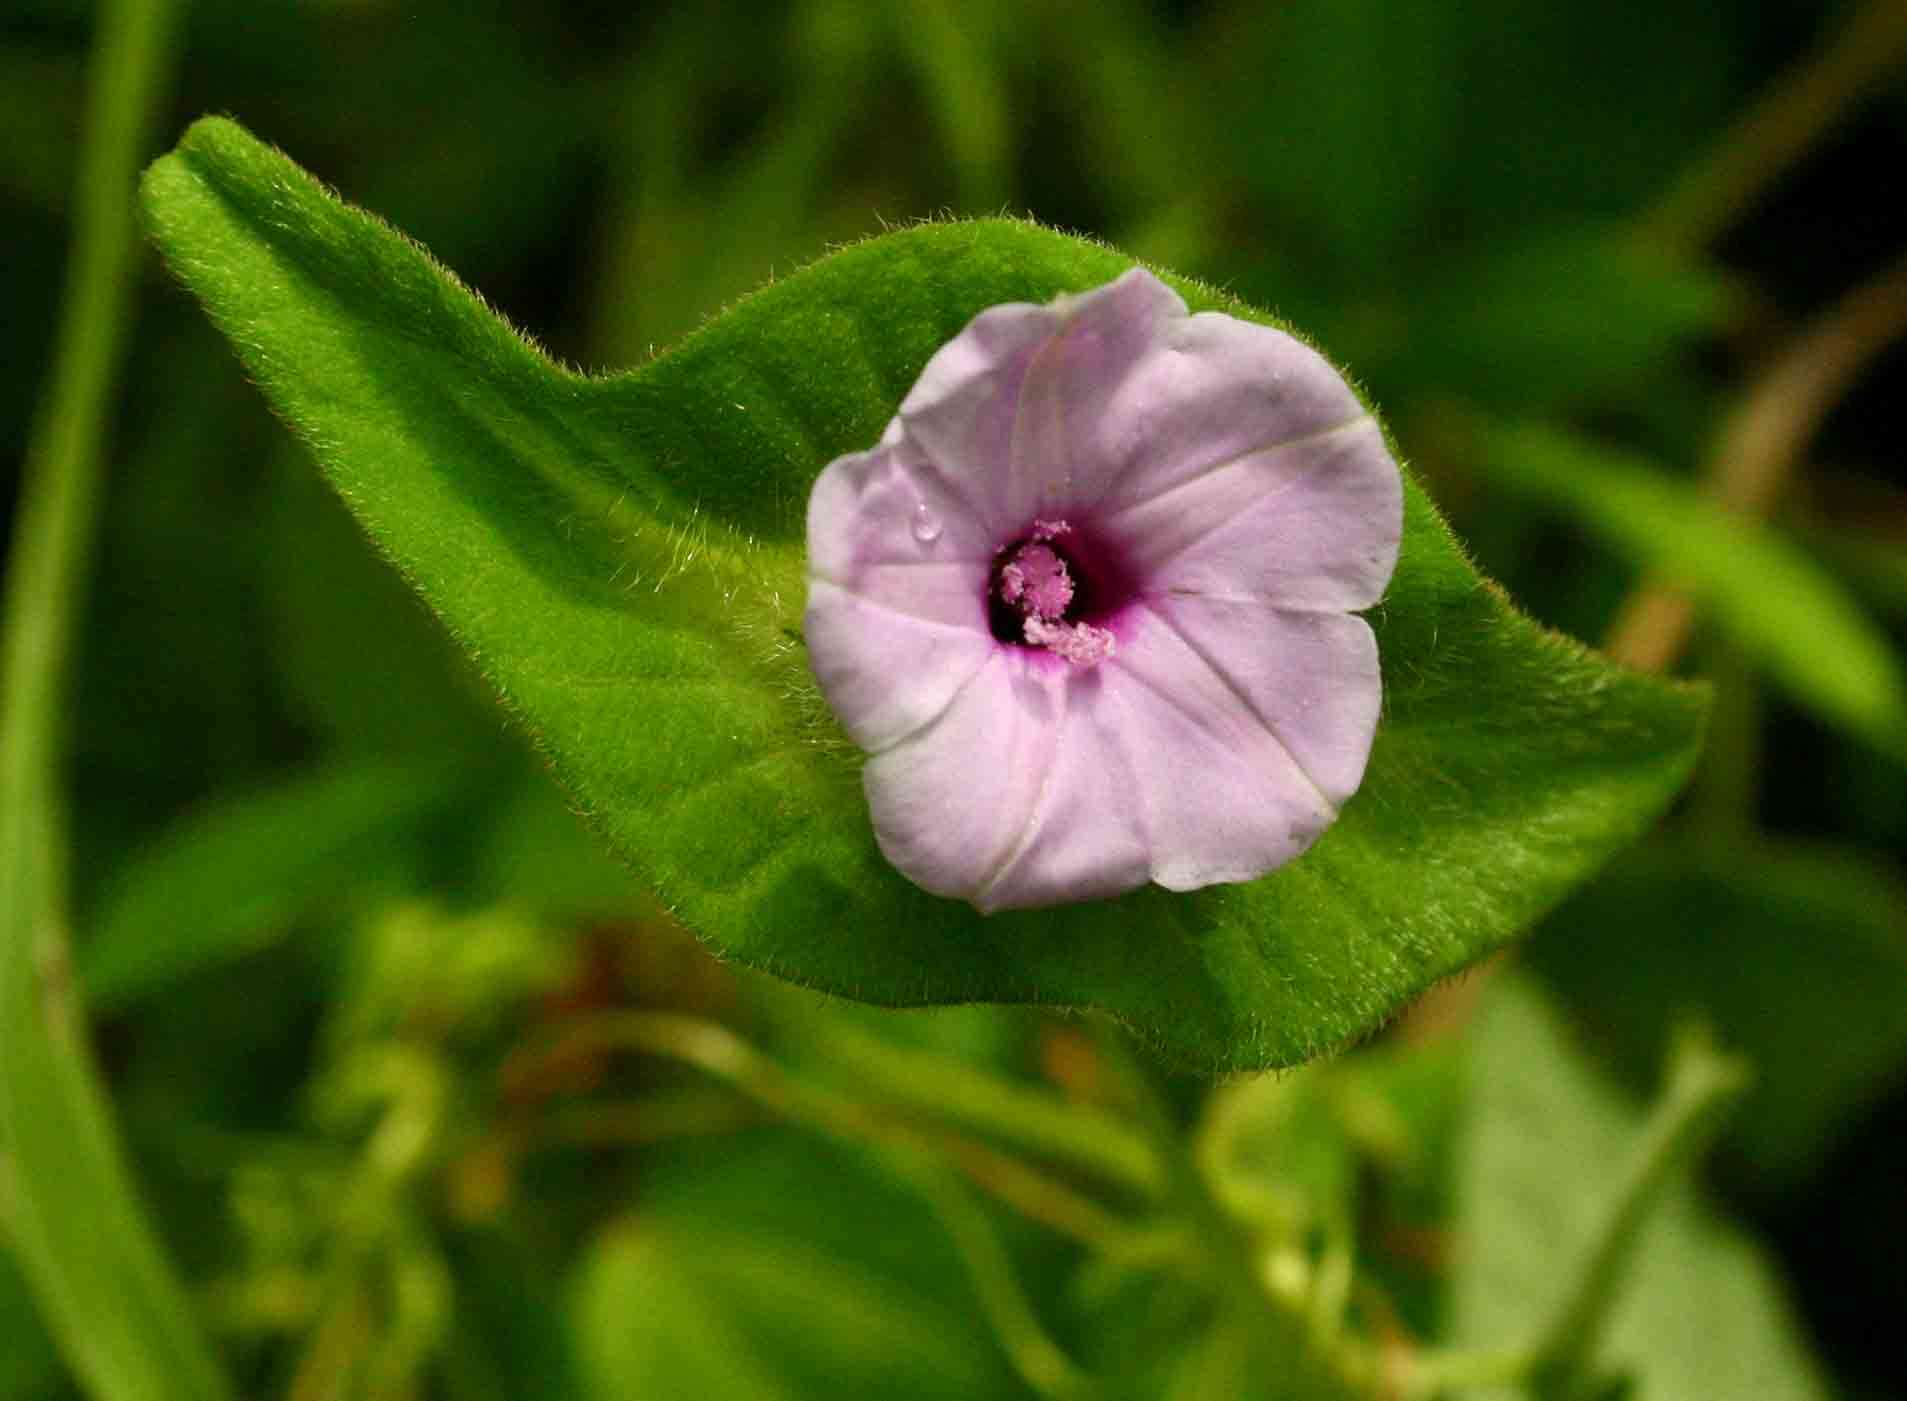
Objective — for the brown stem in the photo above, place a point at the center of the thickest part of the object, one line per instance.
(1762, 439)
(1804, 102)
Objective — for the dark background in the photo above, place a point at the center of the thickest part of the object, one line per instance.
(611, 175)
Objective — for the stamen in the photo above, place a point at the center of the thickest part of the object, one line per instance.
(1037, 581)
(1082, 644)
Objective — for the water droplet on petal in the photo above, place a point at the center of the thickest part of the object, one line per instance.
(926, 523)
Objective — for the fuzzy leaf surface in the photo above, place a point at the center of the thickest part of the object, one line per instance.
(623, 557)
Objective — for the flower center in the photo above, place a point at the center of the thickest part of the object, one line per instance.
(1035, 597)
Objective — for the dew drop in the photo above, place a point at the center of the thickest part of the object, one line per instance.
(926, 523)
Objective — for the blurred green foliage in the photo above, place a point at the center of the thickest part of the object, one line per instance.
(343, 936)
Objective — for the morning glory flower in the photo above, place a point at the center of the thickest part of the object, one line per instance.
(1090, 603)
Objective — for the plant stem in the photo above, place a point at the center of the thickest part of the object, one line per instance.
(1437, 1373)
(654, 1118)
(1702, 1085)
(103, 1284)
(718, 1051)
(1293, 1336)
(1762, 439)
(1040, 1361)
(1778, 130)
(1081, 1137)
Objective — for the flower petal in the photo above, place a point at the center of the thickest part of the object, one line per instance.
(1225, 799)
(886, 525)
(1217, 745)
(1312, 524)
(1240, 502)
(1085, 837)
(886, 675)
(896, 619)
(1067, 436)
(1134, 396)
(1311, 679)
(991, 803)
(959, 414)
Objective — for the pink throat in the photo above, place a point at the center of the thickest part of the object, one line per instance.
(1037, 584)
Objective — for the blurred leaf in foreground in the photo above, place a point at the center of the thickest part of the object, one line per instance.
(623, 557)
(1701, 1313)
(228, 880)
(29, 1367)
(790, 1269)
(104, 1285)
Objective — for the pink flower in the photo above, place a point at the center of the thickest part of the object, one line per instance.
(1089, 603)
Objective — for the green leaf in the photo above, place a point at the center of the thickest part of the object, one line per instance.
(1797, 956)
(1783, 608)
(1701, 1313)
(68, 1201)
(228, 881)
(788, 1270)
(29, 1367)
(623, 557)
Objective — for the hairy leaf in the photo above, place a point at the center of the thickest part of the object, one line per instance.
(622, 555)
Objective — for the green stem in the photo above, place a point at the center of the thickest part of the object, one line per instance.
(1293, 1336)
(1702, 1085)
(103, 1283)
(1437, 1373)
(1261, 1102)
(1286, 1342)
(1079, 1136)
(1041, 1362)
(655, 1118)
(1778, 130)
(718, 1051)
(364, 1242)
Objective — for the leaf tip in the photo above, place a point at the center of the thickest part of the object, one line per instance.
(215, 137)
